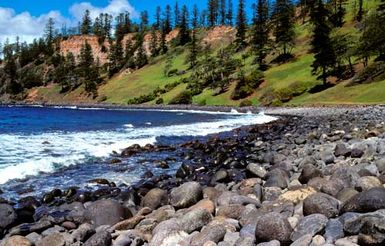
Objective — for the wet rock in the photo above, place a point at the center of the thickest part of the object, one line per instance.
(155, 198)
(194, 220)
(334, 230)
(309, 171)
(183, 171)
(277, 178)
(26, 228)
(311, 224)
(256, 170)
(99, 181)
(16, 241)
(366, 201)
(209, 233)
(320, 203)
(341, 150)
(273, 226)
(102, 238)
(106, 212)
(115, 161)
(186, 195)
(8, 215)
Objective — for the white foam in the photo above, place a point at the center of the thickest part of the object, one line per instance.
(24, 155)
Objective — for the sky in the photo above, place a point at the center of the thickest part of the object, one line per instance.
(27, 19)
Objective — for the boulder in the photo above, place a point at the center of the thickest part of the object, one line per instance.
(273, 226)
(320, 203)
(277, 178)
(194, 220)
(16, 241)
(256, 170)
(102, 238)
(8, 215)
(341, 150)
(209, 233)
(155, 198)
(55, 239)
(106, 212)
(309, 171)
(366, 201)
(311, 224)
(83, 232)
(334, 230)
(186, 195)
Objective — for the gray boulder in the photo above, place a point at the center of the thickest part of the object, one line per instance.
(106, 212)
(186, 195)
(273, 226)
(320, 203)
(311, 224)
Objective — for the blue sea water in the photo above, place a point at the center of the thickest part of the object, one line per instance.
(46, 147)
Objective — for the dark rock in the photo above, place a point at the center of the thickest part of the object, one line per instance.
(183, 171)
(115, 161)
(220, 176)
(273, 226)
(99, 181)
(366, 201)
(102, 238)
(106, 212)
(24, 229)
(357, 152)
(341, 150)
(209, 233)
(334, 230)
(277, 178)
(309, 171)
(7, 215)
(186, 195)
(327, 157)
(155, 198)
(320, 203)
(311, 224)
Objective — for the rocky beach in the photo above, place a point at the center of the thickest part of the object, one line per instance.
(315, 176)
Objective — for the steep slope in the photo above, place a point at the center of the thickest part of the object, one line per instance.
(289, 83)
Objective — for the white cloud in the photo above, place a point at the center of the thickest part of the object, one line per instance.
(114, 8)
(28, 27)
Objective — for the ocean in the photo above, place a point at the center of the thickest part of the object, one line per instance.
(42, 148)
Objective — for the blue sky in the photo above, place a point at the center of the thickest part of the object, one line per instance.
(27, 19)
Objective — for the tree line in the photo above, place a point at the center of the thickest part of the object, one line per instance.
(271, 28)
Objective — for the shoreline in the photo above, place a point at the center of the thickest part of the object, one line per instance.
(312, 165)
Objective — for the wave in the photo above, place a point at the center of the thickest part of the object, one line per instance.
(29, 155)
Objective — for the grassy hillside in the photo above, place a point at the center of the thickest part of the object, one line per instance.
(291, 80)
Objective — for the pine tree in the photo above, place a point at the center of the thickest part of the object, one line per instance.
(115, 58)
(163, 34)
(260, 30)
(143, 20)
(222, 12)
(177, 15)
(284, 24)
(97, 28)
(241, 25)
(337, 18)
(184, 34)
(158, 18)
(229, 15)
(140, 57)
(167, 27)
(322, 47)
(86, 24)
(360, 12)
(129, 52)
(107, 25)
(194, 47)
(49, 31)
(212, 12)
(87, 69)
(154, 48)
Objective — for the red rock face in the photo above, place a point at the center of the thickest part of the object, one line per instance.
(74, 44)
(220, 36)
(216, 37)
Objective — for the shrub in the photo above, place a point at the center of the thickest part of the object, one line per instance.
(172, 72)
(202, 102)
(184, 97)
(369, 73)
(246, 103)
(159, 101)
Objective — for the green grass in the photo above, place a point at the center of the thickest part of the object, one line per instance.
(143, 81)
